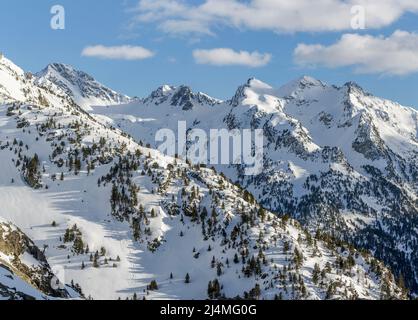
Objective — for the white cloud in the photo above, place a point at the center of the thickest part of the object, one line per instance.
(182, 17)
(117, 53)
(229, 57)
(393, 55)
(175, 27)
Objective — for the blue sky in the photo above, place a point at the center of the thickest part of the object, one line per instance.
(28, 40)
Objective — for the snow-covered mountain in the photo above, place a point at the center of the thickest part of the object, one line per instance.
(81, 87)
(335, 158)
(123, 220)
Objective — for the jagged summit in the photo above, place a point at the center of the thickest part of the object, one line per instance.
(61, 68)
(162, 91)
(181, 96)
(354, 87)
(308, 81)
(251, 87)
(80, 86)
(300, 86)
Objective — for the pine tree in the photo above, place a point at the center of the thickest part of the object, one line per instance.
(236, 259)
(210, 290)
(214, 289)
(153, 286)
(187, 279)
(32, 174)
(262, 214)
(316, 273)
(78, 245)
(219, 269)
(256, 292)
(95, 262)
(213, 262)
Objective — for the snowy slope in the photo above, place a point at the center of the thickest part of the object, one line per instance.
(113, 216)
(15, 84)
(10, 84)
(14, 288)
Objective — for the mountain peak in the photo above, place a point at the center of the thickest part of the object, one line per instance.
(354, 87)
(257, 84)
(161, 92)
(181, 96)
(80, 86)
(58, 66)
(10, 65)
(252, 84)
(308, 80)
(64, 70)
(304, 82)
(299, 85)
(14, 83)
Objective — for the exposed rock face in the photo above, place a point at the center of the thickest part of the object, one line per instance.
(19, 255)
(368, 141)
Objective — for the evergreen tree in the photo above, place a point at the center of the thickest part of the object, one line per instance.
(96, 262)
(153, 286)
(236, 259)
(78, 245)
(316, 273)
(219, 269)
